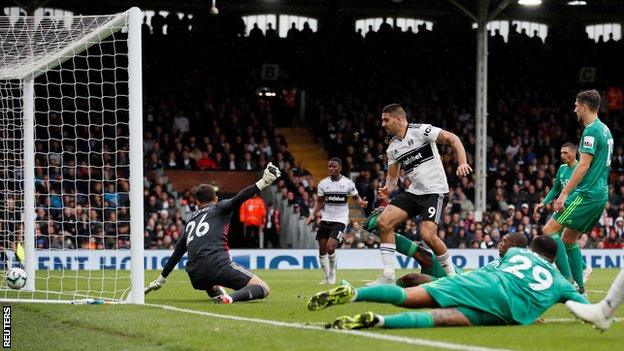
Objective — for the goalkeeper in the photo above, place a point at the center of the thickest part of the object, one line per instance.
(206, 239)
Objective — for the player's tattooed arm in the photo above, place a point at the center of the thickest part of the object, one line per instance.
(448, 138)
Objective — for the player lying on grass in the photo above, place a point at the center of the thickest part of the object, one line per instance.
(510, 240)
(523, 287)
(430, 268)
(601, 314)
(206, 239)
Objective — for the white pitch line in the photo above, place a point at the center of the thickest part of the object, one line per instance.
(596, 291)
(394, 338)
(617, 319)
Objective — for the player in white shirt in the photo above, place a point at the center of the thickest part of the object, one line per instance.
(332, 194)
(413, 147)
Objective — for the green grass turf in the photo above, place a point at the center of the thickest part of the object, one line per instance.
(129, 327)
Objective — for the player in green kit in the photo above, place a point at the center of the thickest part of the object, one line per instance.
(582, 200)
(568, 157)
(523, 287)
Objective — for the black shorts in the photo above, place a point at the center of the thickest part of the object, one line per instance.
(330, 230)
(430, 207)
(224, 273)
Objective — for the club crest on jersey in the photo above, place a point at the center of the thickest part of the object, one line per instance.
(588, 141)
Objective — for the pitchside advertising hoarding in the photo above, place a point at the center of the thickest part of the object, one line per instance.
(287, 259)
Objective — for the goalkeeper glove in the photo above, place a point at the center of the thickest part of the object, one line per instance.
(270, 174)
(156, 284)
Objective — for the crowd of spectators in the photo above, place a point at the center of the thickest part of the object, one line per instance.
(201, 113)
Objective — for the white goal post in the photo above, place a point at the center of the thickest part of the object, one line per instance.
(71, 157)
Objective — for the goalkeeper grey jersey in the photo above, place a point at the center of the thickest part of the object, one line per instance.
(336, 194)
(418, 155)
(206, 233)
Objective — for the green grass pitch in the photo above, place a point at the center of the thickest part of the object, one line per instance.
(128, 327)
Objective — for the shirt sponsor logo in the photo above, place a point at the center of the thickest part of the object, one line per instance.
(588, 141)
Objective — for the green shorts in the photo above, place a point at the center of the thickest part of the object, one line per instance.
(579, 213)
(478, 295)
(478, 317)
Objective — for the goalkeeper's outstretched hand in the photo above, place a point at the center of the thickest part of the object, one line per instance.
(270, 174)
(156, 284)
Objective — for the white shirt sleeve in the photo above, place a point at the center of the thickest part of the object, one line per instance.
(430, 132)
(319, 189)
(352, 190)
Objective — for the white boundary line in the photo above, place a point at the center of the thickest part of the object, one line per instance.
(617, 319)
(394, 338)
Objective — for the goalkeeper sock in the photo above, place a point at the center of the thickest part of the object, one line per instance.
(406, 320)
(576, 266)
(388, 258)
(250, 292)
(324, 260)
(404, 245)
(381, 293)
(561, 260)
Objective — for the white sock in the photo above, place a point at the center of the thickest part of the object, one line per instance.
(388, 258)
(447, 265)
(332, 265)
(380, 323)
(324, 265)
(615, 296)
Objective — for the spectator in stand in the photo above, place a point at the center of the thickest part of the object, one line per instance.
(253, 215)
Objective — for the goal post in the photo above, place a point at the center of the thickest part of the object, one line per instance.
(71, 158)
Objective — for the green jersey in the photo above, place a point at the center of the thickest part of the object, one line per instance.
(532, 285)
(561, 180)
(596, 140)
(492, 266)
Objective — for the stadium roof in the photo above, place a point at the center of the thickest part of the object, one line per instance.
(550, 10)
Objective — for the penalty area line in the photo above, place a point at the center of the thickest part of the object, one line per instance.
(370, 335)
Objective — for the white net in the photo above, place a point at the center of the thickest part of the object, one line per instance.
(81, 154)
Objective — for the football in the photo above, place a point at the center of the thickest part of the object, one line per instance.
(16, 278)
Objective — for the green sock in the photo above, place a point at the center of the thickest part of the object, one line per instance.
(382, 293)
(576, 263)
(561, 260)
(408, 320)
(404, 245)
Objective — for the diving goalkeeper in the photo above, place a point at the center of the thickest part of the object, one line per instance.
(206, 239)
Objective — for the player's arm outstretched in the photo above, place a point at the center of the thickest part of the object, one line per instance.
(271, 173)
(179, 251)
(552, 194)
(448, 138)
(575, 179)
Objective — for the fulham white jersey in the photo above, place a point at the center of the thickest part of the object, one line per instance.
(335, 194)
(418, 155)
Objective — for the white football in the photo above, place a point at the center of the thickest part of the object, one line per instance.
(16, 278)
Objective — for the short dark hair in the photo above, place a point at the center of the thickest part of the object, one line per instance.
(545, 246)
(204, 193)
(570, 146)
(394, 109)
(591, 98)
(518, 239)
(337, 160)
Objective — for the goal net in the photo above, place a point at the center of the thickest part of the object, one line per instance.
(71, 174)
